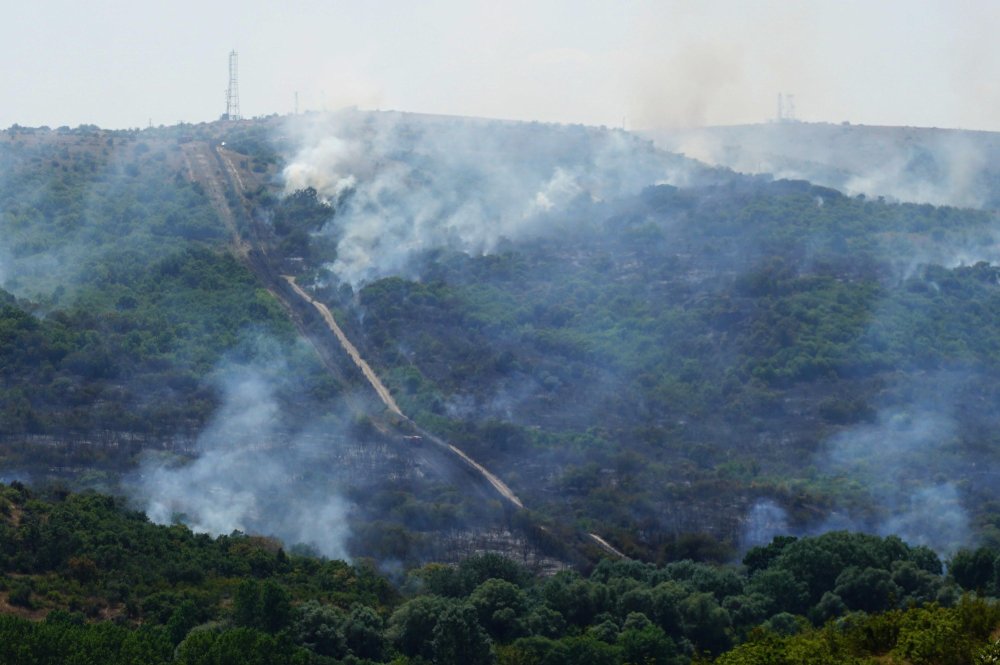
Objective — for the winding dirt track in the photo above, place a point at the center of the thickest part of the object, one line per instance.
(390, 403)
(202, 167)
(212, 166)
(606, 546)
(200, 157)
(497, 484)
(352, 351)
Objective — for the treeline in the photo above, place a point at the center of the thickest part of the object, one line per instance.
(85, 579)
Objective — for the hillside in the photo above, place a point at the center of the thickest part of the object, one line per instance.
(680, 359)
(689, 358)
(162, 365)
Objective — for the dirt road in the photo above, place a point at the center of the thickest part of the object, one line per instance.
(352, 351)
(203, 168)
(390, 403)
(606, 546)
(213, 166)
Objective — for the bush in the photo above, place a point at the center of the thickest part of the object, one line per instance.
(20, 595)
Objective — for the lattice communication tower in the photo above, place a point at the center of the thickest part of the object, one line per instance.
(233, 91)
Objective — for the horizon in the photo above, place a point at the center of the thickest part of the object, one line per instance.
(644, 65)
(767, 122)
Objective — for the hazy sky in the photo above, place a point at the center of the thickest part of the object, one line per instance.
(124, 64)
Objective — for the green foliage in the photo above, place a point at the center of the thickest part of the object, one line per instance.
(648, 645)
(678, 335)
(459, 639)
(988, 655)
(320, 628)
(974, 570)
(820, 562)
(185, 617)
(933, 635)
(295, 218)
(81, 558)
(411, 626)
(68, 201)
(652, 351)
(132, 300)
(134, 350)
(364, 633)
(869, 590)
(501, 607)
(236, 646)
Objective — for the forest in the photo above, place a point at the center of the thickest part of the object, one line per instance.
(695, 347)
(114, 588)
(774, 400)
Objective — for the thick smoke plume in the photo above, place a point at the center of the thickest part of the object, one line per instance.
(249, 474)
(404, 184)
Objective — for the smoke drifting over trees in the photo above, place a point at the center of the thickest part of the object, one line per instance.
(402, 187)
(680, 358)
(936, 166)
(412, 194)
(249, 473)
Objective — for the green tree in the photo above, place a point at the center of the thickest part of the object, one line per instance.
(276, 607)
(649, 645)
(411, 626)
(364, 633)
(320, 628)
(460, 640)
(248, 605)
(501, 607)
(868, 589)
(185, 617)
(973, 569)
(705, 622)
(786, 594)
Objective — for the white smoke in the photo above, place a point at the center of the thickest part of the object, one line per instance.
(889, 459)
(247, 477)
(939, 167)
(945, 170)
(404, 184)
(557, 192)
(932, 516)
(765, 520)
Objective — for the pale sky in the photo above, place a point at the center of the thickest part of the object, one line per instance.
(669, 63)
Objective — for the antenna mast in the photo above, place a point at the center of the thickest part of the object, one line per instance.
(233, 91)
(786, 108)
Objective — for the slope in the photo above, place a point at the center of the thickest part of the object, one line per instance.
(684, 369)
